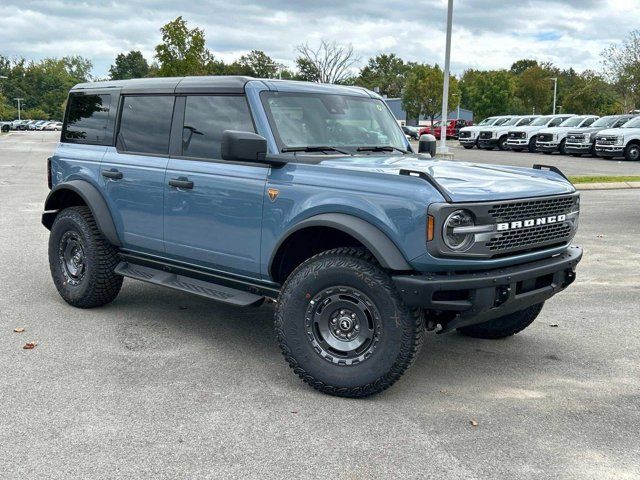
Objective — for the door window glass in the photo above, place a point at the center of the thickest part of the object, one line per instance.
(145, 124)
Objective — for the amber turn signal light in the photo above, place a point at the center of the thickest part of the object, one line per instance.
(430, 228)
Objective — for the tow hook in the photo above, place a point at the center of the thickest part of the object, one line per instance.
(502, 294)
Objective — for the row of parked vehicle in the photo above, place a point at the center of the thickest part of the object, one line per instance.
(609, 136)
(52, 125)
(453, 128)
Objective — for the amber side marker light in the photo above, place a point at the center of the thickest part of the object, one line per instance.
(430, 228)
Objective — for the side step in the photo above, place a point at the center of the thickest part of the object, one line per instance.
(208, 290)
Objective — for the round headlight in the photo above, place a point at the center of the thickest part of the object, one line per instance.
(453, 238)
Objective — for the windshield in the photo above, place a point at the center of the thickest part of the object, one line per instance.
(511, 122)
(487, 121)
(634, 123)
(317, 119)
(501, 121)
(538, 122)
(572, 122)
(604, 122)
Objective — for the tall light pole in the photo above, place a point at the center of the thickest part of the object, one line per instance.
(18, 100)
(555, 92)
(445, 83)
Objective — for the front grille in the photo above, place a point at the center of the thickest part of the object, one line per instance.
(577, 138)
(545, 137)
(528, 237)
(510, 212)
(485, 135)
(465, 135)
(517, 135)
(606, 140)
(514, 227)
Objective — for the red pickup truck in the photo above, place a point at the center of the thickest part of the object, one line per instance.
(453, 128)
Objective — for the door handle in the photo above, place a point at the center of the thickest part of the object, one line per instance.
(114, 174)
(181, 182)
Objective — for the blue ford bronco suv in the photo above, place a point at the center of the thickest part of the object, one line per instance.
(241, 190)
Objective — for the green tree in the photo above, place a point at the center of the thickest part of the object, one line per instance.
(307, 70)
(385, 71)
(519, 66)
(258, 64)
(423, 91)
(488, 93)
(591, 94)
(535, 90)
(129, 65)
(182, 51)
(622, 66)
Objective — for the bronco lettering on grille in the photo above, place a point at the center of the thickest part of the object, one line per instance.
(501, 227)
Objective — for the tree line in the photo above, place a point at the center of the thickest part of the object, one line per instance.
(526, 87)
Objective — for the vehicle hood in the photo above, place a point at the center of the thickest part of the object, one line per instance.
(473, 128)
(527, 128)
(463, 181)
(557, 130)
(612, 131)
(581, 131)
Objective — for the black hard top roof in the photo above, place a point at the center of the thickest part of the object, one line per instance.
(208, 84)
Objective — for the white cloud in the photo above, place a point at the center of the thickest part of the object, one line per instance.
(487, 33)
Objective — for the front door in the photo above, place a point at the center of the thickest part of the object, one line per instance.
(213, 208)
(134, 171)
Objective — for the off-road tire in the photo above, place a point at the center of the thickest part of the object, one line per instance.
(502, 143)
(532, 145)
(400, 331)
(632, 152)
(504, 326)
(562, 148)
(98, 285)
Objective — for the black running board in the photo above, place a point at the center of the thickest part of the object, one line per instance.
(212, 291)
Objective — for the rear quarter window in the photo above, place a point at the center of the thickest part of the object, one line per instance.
(89, 119)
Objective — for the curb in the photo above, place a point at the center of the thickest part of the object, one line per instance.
(606, 186)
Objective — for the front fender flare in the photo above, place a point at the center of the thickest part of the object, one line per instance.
(91, 197)
(377, 242)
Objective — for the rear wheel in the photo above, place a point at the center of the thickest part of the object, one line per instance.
(82, 260)
(504, 326)
(632, 152)
(342, 326)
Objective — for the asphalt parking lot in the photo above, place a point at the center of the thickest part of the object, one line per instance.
(160, 384)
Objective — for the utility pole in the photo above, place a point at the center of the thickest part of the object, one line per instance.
(18, 100)
(555, 92)
(445, 83)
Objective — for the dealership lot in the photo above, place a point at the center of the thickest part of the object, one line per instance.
(161, 384)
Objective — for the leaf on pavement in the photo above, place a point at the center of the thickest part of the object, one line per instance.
(553, 324)
(474, 423)
(30, 345)
(18, 329)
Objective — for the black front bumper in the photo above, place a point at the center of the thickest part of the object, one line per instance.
(546, 147)
(476, 297)
(487, 142)
(572, 149)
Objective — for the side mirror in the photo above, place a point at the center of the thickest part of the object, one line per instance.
(427, 144)
(243, 146)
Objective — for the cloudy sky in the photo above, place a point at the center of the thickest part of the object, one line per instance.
(486, 33)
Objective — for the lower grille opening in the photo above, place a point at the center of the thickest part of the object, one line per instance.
(532, 284)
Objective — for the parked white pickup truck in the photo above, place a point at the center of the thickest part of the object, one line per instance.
(468, 136)
(525, 137)
(554, 139)
(496, 135)
(620, 142)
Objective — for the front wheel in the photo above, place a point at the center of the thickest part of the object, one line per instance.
(502, 143)
(82, 260)
(632, 152)
(562, 148)
(504, 326)
(342, 326)
(532, 145)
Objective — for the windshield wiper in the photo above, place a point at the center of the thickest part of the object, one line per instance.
(316, 148)
(381, 148)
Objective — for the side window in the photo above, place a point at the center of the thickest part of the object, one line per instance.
(556, 121)
(145, 124)
(525, 121)
(620, 122)
(206, 117)
(88, 120)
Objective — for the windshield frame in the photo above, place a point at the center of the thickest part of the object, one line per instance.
(273, 125)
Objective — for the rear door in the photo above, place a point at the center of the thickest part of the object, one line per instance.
(213, 208)
(133, 171)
